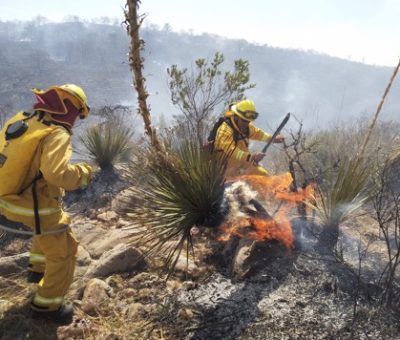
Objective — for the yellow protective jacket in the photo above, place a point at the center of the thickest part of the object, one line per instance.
(238, 151)
(51, 155)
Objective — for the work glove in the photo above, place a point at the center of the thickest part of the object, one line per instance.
(86, 174)
(257, 157)
(279, 139)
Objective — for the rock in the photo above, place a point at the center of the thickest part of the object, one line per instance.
(108, 216)
(97, 240)
(146, 280)
(185, 266)
(15, 247)
(189, 285)
(79, 328)
(241, 261)
(13, 264)
(135, 310)
(252, 255)
(116, 282)
(95, 294)
(123, 223)
(83, 257)
(123, 258)
(7, 283)
(129, 292)
(120, 202)
(174, 285)
(185, 314)
(147, 295)
(151, 308)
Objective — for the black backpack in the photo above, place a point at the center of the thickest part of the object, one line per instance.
(209, 145)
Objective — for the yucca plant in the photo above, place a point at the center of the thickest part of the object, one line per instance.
(344, 193)
(184, 192)
(349, 190)
(341, 195)
(108, 143)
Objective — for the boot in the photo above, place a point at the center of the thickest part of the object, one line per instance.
(34, 277)
(62, 315)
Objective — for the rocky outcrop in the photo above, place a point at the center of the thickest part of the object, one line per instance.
(96, 293)
(13, 264)
(78, 329)
(121, 259)
(97, 239)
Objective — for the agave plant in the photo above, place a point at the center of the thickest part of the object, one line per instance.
(184, 191)
(343, 194)
(108, 143)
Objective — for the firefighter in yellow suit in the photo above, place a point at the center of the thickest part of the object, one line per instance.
(36, 199)
(232, 138)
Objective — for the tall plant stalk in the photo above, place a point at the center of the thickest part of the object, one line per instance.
(378, 110)
(348, 191)
(133, 23)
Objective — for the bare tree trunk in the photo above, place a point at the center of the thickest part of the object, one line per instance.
(133, 23)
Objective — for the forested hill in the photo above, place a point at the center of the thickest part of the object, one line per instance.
(318, 88)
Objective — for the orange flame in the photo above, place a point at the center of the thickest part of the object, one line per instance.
(272, 188)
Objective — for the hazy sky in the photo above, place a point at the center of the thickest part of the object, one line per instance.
(360, 30)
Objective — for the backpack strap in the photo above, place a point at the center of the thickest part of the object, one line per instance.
(237, 135)
(36, 204)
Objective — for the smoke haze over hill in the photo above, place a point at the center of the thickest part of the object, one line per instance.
(319, 89)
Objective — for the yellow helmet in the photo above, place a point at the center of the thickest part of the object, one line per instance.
(78, 93)
(245, 109)
(52, 99)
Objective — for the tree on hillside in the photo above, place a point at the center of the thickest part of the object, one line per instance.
(199, 91)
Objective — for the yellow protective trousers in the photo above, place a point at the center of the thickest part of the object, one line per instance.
(247, 169)
(59, 254)
(37, 261)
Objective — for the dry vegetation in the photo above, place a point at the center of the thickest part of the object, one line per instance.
(344, 286)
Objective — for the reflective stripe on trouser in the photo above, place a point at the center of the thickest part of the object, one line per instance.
(40, 301)
(37, 261)
(60, 253)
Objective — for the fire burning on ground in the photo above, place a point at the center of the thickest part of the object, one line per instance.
(248, 218)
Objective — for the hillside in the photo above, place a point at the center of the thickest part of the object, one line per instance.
(318, 88)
